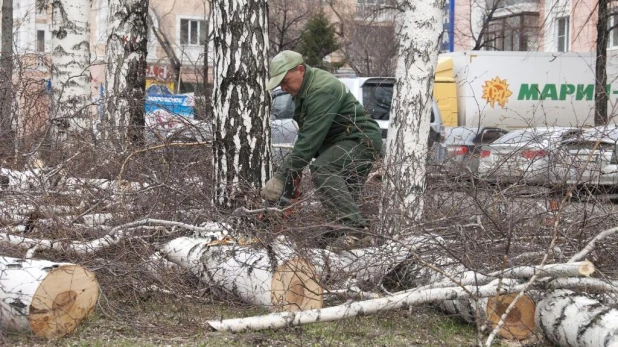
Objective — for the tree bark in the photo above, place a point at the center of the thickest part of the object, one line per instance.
(45, 298)
(7, 134)
(256, 276)
(167, 47)
(419, 29)
(287, 319)
(600, 90)
(70, 117)
(241, 104)
(125, 74)
(569, 319)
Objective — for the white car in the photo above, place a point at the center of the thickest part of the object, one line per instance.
(589, 159)
(523, 155)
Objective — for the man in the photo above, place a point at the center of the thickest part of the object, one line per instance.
(335, 130)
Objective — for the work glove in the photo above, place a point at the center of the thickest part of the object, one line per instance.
(272, 190)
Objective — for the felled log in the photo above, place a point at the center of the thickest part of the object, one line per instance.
(353, 309)
(256, 276)
(114, 236)
(589, 285)
(575, 320)
(519, 322)
(367, 266)
(45, 298)
(281, 275)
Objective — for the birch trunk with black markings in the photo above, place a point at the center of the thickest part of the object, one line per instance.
(70, 115)
(241, 145)
(575, 320)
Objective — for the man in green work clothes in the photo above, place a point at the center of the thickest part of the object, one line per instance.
(335, 130)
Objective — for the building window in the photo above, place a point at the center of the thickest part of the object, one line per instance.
(562, 31)
(40, 40)
(102, 13)
(41, 7)
(612, 23)
(513, 33)
(192, 32)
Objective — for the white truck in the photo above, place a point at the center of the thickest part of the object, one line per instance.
(518, 89)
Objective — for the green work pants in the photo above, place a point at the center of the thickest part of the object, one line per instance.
(339, 174)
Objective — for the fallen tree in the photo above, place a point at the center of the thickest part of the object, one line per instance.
(575, 320)
(256, 276)
(353, 309)
(45, 298)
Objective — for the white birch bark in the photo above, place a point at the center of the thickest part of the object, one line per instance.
(125, 74)
(569, 319)
(256, 276)
(45, 298)
(240, 101)
(287, 319)
(71, 72)
(419, 27)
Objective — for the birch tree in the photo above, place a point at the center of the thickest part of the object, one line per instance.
(125, 74)
(419, 26)
(241, 103)
(70, 73)
(6, 79)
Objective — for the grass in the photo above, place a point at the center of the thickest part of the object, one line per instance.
(165, 322)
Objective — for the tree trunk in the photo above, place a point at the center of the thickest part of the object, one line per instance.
(70, 117)
(45, 298)
(167, 47)
(353, 309)
(7, 135)
(569, 319)
(241, 146)
(600, 91)
(125, 74)
(419, 29)
(256, 276)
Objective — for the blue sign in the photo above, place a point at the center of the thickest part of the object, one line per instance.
(181, 105)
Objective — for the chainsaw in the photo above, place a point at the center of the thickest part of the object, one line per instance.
(290, 195)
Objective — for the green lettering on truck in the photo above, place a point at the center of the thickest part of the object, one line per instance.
(528, 92)
(549, 92)
(566, 89)
(584, 91)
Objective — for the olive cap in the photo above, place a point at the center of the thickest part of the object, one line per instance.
(283, 62)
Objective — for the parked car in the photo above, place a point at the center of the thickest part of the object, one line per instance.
(283, 129)
(376, 95)
(523, 155)
(589, 159)
(462, 146)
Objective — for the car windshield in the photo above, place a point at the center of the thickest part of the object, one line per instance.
(282, 106)
(377, 100)
(524, 136)
(607, 135)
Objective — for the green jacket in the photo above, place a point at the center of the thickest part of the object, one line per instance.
(327, 112)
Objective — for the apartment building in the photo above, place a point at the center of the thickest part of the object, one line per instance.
(182, 23)
(528, 25)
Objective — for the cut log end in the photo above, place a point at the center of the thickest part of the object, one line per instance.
(586, 268)
(66, 296)
(519, 323)
(295, 287)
